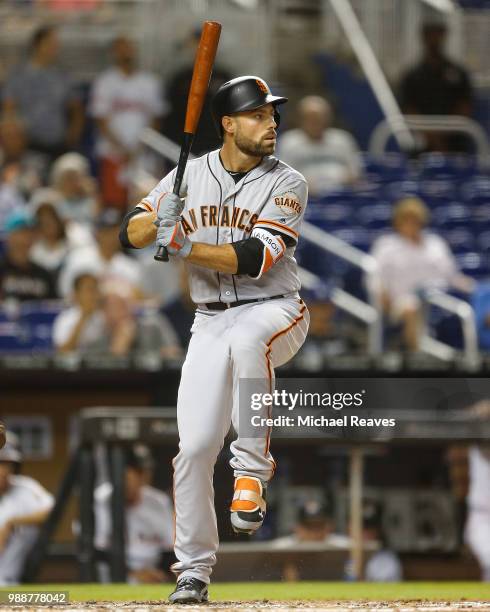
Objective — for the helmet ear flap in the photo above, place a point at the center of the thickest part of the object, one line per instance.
(277, 117)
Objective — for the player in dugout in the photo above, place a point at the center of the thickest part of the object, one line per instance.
(24, 506)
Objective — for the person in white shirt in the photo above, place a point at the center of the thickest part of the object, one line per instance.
(70, 176)
(410, 260)
(477, 530)
(327, 157)
(124, 101)
(106, 323)
(56, 236)
(104, 258)
(149, 520)
(24, 505)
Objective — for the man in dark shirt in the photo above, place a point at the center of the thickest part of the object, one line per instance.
(437, 86)
(44, 97)
(20, 278)
(206, 138)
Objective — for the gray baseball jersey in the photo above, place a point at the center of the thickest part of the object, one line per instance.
(271, 197)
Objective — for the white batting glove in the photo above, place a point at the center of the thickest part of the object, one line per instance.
(170, 208)
(174, 239)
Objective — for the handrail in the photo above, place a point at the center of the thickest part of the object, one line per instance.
(374, 74)
(349, 303)
(433, 123)
(161, 144)
(369, 312)
(464, 312)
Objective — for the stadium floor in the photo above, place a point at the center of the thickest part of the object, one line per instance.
(327, 596)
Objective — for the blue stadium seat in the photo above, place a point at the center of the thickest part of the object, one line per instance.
(392, 192)
(375, 217)
(453, 215)
(460, 240)
(480, 215)
(330, 216)
(476, 192)
(386, 169)
(356, 236)
(444, 167)
(474, 264)
(483, 241)
(15, 338)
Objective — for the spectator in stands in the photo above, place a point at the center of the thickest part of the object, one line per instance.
(124, 101)
(24, 506)
(107, 323)
(21, 168)
(328, 157)
(44, 98)
(104, 258)
(207, 137)
(55, 237)
(411, 260)
(20, 278)
(70, 176)
(437, 86)
(149, 521)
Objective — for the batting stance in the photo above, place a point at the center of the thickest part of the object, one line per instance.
(236, 226)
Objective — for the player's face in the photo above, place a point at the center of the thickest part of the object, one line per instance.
(255, 131)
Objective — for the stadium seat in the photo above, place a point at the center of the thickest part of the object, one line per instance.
(460, 240)
(474, 264)
(395, 191)
(330, 216)
(15, 338)
(483, 242)
(386, 169)
(444, 167)
(356, 236)
(451, 216)
(375, 217)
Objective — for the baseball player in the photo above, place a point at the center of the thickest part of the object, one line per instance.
(24, 505)
(236, 227)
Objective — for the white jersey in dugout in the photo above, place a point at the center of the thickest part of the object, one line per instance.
(271, 197)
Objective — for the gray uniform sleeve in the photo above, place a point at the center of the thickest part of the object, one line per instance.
(285, 209)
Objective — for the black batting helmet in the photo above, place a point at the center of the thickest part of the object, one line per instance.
(242, 94)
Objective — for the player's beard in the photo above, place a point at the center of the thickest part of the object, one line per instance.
(253, 148)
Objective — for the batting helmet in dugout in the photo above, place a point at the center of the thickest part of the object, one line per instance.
(242, 94)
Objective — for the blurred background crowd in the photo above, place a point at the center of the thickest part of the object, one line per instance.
(78, 152)
(395, 253)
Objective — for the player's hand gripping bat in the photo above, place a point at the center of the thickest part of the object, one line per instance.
(203, 66)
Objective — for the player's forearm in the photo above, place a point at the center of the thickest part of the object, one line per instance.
(221, 258)
(141, 230)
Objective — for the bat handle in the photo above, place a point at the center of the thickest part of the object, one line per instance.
(162, 253)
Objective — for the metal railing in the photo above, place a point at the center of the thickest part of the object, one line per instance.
(434, 123)
(368, 312)
(453, 305)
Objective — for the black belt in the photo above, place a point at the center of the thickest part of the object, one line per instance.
(226, 305)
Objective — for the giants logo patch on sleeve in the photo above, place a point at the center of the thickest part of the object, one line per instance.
(289, 203)
(274, 249)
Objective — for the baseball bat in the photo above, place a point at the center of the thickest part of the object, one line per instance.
(201, 75)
